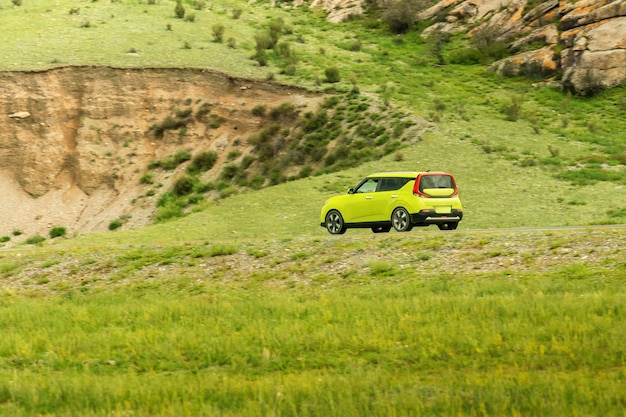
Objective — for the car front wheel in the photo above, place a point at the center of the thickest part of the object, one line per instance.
(334, 223)
(401, 220)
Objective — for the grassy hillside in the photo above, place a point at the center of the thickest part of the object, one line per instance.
(524, 153)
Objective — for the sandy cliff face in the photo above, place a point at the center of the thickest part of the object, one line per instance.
(75, 141)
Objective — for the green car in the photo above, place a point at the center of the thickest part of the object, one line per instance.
(399, 199)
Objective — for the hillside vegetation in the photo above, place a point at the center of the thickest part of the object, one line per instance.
(245, 306)
(525, 153)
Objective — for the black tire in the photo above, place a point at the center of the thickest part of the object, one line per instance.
(334, 223)
(381, 229)
(401, 220)
(448, 226)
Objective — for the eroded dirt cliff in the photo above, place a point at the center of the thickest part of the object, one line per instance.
(75, 141)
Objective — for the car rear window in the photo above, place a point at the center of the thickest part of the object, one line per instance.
(436, 181)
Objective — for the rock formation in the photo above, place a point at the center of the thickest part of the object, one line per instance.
(582, 43)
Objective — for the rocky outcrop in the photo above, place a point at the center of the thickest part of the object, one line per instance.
(339, 10)
(584, 42)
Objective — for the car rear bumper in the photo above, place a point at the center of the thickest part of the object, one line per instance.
(432, 217)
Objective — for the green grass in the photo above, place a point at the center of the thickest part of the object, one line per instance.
(185, 330)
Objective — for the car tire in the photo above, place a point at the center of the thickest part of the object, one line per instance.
(381, 229)
(448, 226)
(401, 220)
(334, 223)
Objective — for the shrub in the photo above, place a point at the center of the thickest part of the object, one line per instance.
(183, 186)
(401, 15)
(146, 178)
(285, 111)
(179, 9)
(513, 110)
(115, 224)
(172, 162)
(218, 32)
(57, 231)
(4, 239)
(466, 56)
(257, 182)
(168, 211)
(229, 172)
(263, 41)
(203, 162)
(234, 154)
(258, 110)
(332, 75)
(35, 240)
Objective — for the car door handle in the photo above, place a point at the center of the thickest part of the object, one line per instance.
(394, 196)
(368, 197)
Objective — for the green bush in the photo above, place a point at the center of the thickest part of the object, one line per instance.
(401, 15)
(229, 172)
(146, 178)
(57, 231)
(179, 10)
(218, 32)
(465, 56)
(169, 210)
(172, 162)
(4, 239)
(203, 162)
(115, 224)
(258, 110)
(332, 75)
(183, 186)
(35, 240)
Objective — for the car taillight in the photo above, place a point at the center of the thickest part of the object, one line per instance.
(416, 191)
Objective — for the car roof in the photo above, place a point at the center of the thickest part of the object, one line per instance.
(403, 174)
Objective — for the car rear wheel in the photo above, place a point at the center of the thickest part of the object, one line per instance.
(401, 220)
(334, 223)
(381, 229)
(448, 226)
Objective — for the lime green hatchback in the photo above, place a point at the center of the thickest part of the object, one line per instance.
(401, 200)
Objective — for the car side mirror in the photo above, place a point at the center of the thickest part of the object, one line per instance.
(351, 191)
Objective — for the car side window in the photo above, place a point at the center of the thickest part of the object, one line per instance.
(369, 186)
(392, 184)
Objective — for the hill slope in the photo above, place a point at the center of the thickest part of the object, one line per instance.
(524, 153)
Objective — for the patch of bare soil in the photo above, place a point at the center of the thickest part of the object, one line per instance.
(75, 141)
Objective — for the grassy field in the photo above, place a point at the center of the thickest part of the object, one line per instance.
(249, 308)
(489, 323)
